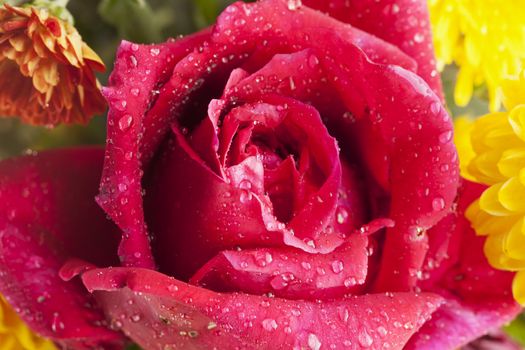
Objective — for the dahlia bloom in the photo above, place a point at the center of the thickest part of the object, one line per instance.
(46, 70)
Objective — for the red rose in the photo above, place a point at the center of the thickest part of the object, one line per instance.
(290, 177)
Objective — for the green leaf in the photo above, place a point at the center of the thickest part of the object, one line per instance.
(134, 19)
(133, 347)
(207, 11)
(516, 329)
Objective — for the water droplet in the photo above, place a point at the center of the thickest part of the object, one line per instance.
(134, 47)
(342, 215)
(133, 60)
(364, 339)
(245, 185)
(294, 4)
(269, 324)
(122, 187)
(239, 22)
(292, 83)
(313, 342)
(337, 266)
(445, 137)
(135, 91)
(245, 196)
(306, 265)
(435, 107)
(382, 331)
(344, 314)
(395, 8)
(154, 52)
(419, 38)
(349, 282)
(438, 203)
(125, 122)
(135, 318)
(173, 288)
(313, 61)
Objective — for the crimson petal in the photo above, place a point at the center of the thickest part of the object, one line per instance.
(413, 124)
(159, 312)
(222, 214)
(404, 23)
(47, 215)
(289, 273)
(471, 308)
(140, 70)
(396, 109)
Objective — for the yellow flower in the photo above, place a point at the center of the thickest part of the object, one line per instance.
(485, 38)
(46, 70)
(496, 158)
(15, 335)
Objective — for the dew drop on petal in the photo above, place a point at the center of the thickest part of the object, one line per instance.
(445, 137)
(364, 339)
(419, 38)
(342, 215)
(313, 61)
(269, 324)
(337, 266)
(438, 203)
(294, 4)
(313, 342)
(435, 107)
(125, 122)
(245, 196)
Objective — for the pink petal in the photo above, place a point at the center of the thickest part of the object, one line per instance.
(404, 23)
(398, 129)
(140, 70)
(478, 298)
(159, 312)
(223, 214)
(417, 134)
(289, 273)
(47, 215)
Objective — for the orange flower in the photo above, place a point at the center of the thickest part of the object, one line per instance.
(46, 70)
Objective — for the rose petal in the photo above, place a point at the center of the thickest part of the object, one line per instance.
(222, 214)
(47, 215)
(140, 70)
(457, 323)
(396, 110)
(159, 312)
(289, 273)
(404, 23)
(413, 125)
(199, 77)
(471, 308)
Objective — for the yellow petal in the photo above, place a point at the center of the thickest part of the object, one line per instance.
(517, 120)
(518, 287)
(511, 195)
(490, 203)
